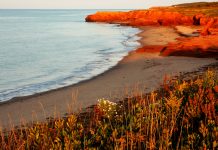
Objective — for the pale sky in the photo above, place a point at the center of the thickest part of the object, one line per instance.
(88, 4)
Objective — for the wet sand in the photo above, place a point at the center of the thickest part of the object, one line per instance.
(137, 71)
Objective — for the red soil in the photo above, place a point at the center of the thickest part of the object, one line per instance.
(206, 45)
(150, 49)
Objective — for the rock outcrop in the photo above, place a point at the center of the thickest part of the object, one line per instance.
(202, 46)
(206, 45)
(151, 17)
(141, 18)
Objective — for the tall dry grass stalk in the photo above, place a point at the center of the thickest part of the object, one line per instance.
(180, 115)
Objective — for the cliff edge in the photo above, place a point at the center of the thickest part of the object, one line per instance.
(202, 14)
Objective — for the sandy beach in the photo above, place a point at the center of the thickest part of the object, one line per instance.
(137, 71)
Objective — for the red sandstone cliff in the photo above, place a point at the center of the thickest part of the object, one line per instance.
(141, 18)
(193, 46)
(151, 17)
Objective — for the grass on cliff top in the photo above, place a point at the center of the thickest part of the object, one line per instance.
(181, 115)
(208, 8)
(198, 4)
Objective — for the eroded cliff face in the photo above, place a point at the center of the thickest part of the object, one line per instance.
(141, 18)
(152, 17)
(202, 46)
(205, 45)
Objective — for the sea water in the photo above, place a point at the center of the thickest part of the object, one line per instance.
(42, 50)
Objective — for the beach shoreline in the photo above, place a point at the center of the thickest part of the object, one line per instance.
(134, 71)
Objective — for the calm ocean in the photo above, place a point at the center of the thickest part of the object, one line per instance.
(42, 50)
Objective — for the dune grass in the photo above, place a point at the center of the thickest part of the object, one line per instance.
(181, 115)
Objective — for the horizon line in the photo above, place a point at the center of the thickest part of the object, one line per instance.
(71, 8)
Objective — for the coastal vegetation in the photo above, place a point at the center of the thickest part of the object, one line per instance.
(189, 9)
(180, 115)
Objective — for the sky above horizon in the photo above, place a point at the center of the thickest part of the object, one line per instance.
(88, 4)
